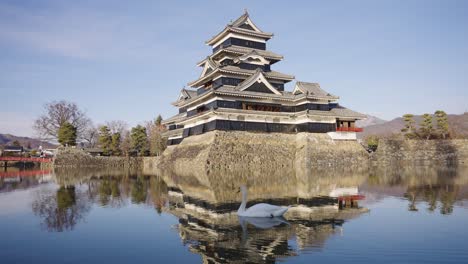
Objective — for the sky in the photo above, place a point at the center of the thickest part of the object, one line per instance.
(128, 60)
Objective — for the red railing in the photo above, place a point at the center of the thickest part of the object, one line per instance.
(25, 159)
(25, 173)
(349, 129)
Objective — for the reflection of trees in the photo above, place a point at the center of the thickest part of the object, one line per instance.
(445, 195)
(105, 192)
(158, 191)
(109, 191)
(61, 210)
(440, 187)
(113, 188)
(139, 190)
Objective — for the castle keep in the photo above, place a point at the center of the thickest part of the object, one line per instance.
(238, 90)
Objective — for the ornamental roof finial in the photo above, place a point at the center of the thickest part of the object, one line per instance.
(245, 11)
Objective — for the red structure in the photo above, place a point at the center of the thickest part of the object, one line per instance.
(24, 173)
(349, 129)
(351, 197)
(46, 160)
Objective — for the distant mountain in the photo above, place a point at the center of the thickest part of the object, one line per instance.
(370, 121)
(8, 139)
(458, 125)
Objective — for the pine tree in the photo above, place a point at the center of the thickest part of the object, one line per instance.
(105, 140)
(409, 128)
(158, 120)
(115, 144)
(139, 140)
(426, 127)
(442, 123)
(67, 134)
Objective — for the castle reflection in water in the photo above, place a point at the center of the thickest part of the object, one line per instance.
(322, 203)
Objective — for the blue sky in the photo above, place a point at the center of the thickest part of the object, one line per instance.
(127, 60)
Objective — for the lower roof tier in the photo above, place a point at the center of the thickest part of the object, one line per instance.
(306, 116)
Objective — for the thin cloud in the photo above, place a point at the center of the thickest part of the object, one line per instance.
(75, 32)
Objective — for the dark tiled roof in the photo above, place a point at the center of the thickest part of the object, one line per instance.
(243, 50)
(191, 93)
(268, 74)
(345, 112)
(236, 28)
(236, 70)
(313, 89)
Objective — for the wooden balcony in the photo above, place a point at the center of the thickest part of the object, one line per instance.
(349, 129)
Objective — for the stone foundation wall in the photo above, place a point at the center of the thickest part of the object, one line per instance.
(77, 158)
(421, 152)
(219, 151)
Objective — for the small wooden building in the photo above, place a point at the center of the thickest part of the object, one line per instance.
(12, 151)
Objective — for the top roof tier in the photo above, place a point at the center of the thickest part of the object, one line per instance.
(242, 26)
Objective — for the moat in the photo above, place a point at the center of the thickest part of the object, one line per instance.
(385, 215)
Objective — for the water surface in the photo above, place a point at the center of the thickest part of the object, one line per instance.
(393, 215)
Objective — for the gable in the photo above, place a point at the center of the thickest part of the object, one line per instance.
(259, 87)
(257, 83)
(245, 22)
(247, 26)
(182, 96)
(207, 68)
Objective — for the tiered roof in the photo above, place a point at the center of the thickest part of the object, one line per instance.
(259, 84)
(237, 50)
(235, 70)
(244, 26)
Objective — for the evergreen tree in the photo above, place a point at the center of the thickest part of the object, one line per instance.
(409, 128)
(442, 123)
(115, 144)
(426, 127)
(139, 140)
(105, 140)
(67, 134)
(158, 120)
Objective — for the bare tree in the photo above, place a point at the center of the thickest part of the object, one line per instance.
(90, 136)
(117, 126)
(58, 113)
(157, 142)
(125, 146)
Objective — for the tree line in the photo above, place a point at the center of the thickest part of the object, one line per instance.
(431, 126)
(64, 122)
(434, 126)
